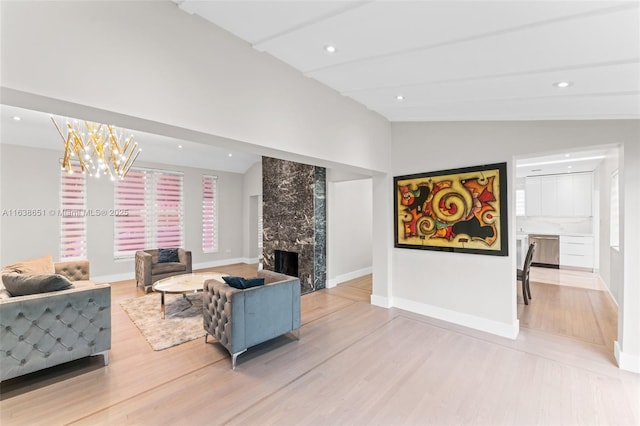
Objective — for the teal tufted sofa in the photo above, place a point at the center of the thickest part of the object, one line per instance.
(239, 319)
(42, 330)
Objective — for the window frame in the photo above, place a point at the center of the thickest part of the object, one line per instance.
(149, 210)
(72, 212)
(213, 238)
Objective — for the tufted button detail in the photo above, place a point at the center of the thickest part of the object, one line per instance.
(57, 317)
(69, 305)
(20, 314)
(8, 328)
(47, 310)
(47, 331)
(80, 334)
(90, 300)
(23, 361)
(80, 312)
(58, 340)
(8, 353)
(69, 325)
(47, 354)
(34, 322)
(91, 321)
(70, 348)
(21, 338)
(35, 346)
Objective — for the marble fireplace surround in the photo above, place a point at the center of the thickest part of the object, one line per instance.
(294, 218)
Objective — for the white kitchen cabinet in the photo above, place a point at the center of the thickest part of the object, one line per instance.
(532, 200)
(576, 251)
(549, 196)
(582, 194)
(566, 195)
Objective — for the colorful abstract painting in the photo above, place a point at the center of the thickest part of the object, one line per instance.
(462, 210)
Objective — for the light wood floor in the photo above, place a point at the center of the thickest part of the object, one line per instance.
(354, 364)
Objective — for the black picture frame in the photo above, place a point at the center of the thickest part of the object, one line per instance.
(460, 210)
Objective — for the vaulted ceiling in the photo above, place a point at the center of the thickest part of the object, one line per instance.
(454, 60)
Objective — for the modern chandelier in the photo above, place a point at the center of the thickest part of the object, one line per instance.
(98, 148)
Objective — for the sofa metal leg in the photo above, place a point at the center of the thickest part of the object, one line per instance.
(206, 336)
(105, 356)
(234, 358)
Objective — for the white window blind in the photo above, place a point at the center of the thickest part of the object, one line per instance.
(209, 214)
(150, 207)
(520, 202)
(73, 221)
(614, 220)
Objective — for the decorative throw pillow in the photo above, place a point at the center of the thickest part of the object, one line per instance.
(40, 266)
(168, 255)
(23, 284)
(243, 283)
(254, 282)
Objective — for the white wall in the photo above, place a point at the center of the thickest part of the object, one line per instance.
(349, 230)
(610, 261)
(30, 179)
(251, 187)
(158, 64)
(480, 291)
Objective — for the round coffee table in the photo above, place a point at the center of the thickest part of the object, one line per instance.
(183, 284)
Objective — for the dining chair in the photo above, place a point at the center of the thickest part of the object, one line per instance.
(523, 274)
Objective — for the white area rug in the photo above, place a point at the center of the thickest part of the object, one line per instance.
(182, 323)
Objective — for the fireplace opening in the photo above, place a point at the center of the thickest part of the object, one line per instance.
(286, 262)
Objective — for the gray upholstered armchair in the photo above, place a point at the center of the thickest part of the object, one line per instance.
(149, 270)
(239, 319)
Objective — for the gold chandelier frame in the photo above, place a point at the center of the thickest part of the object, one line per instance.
(98, 148)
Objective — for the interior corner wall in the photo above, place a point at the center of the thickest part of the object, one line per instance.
(30, 179)
(251, 187)
(350, 230)
(474, 290)
(610, 263)
(196, 77)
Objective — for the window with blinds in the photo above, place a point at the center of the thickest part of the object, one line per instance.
(73, 221)
(209, 214)
(520, 202)
(614, 220)
(150, 211)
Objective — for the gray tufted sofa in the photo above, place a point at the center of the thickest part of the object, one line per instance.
(239, 319)
(42, 330)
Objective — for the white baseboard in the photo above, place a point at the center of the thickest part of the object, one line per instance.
(332, 282)
(202, 265)
(626, 361)
(471, 321)
(383, 302)
(114, 277)
(222, 262)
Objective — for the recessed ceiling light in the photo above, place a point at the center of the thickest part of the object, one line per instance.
(563, 84)
(16, 118)
(568, 167)
(180, 146)
(230, 155)
(567, 155)
(330, 48)
(400, 98)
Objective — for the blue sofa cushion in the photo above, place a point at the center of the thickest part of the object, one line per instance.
(243, 283)
(168, 255)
